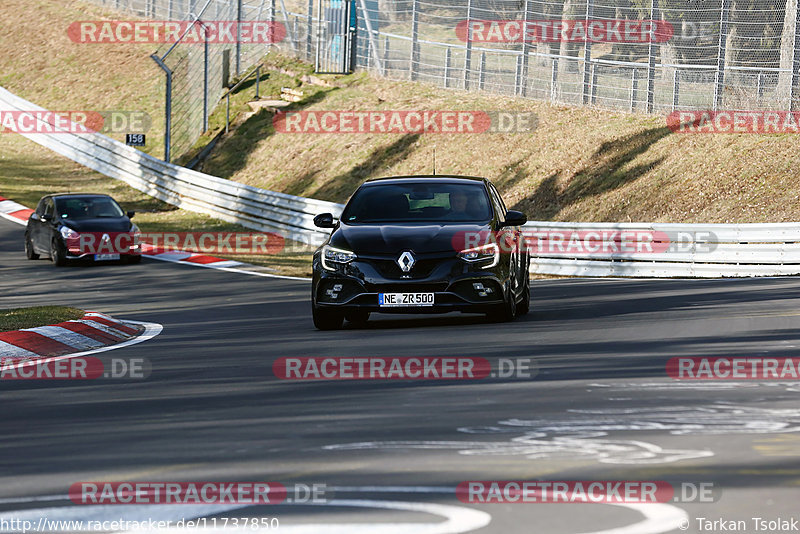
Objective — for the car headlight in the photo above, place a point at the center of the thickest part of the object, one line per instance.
(335, 255)
(490, 252)
(137, 235)
(69, 233)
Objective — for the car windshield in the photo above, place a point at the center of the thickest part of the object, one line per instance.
(87, 208)
(418, 202)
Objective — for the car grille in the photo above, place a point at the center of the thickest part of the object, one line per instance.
(400, 287)
(390, 269)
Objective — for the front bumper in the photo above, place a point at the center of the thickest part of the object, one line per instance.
(456, 285)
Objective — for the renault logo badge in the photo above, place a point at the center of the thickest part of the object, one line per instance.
(406, 261)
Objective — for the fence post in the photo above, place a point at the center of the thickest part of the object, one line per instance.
(526, 48)
(482, 72)
(309, 29)
(554, 81)
(258, 82)
(205, 77)
(447, 60)
(518, 75)
(385, 57)
(468, 54)
(676, 88)
(414, 60)
(793, 92)
(651, 62)
(170, 14)
(587, 55)
(594, 83)
(760, 87)
(238, 37)
(719, 78)
(167, 106)
(634, 90)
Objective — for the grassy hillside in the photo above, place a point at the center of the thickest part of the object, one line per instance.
(580, 164)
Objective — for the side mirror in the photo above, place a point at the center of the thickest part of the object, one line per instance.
(324, 220)
(46, 217)
(515, 218)
(130, 214)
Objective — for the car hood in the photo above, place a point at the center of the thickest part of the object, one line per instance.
(394, 238)
(104, 224)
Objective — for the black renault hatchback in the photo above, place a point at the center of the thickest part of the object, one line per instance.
(421, 244)
(78, 225)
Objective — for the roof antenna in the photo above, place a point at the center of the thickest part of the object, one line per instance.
(434, 160)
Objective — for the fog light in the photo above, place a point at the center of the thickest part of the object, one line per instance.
(332, 294)
(481, 290)
(337, 287)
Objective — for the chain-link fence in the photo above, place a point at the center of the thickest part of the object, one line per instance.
(684, 54)
(199, 68)
(698, 54)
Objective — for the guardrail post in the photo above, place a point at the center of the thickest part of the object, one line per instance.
(414, 60)
(634, 89)
(651, 62)
(167, 106)
(554, 81)
(719, 77)
(587, 55)
(447, 68)
(676, 87)
(468, 54)
(482, 72)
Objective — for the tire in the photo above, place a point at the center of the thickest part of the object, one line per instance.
(57, 254)
(525, 306)
(357, 318)
(505, 312)
(133, 260)
(29, 250)
(326, 319)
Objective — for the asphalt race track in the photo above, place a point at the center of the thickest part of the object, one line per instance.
(391, 453)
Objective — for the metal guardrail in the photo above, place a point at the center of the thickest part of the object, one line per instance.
(230, 201)
(689, 250)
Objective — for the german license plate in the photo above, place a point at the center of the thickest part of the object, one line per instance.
(390, 300)
(106, 257)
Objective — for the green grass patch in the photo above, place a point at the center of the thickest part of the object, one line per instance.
(18, 318)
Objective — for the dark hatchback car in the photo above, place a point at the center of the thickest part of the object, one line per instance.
(81, 226)
(421, 244)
